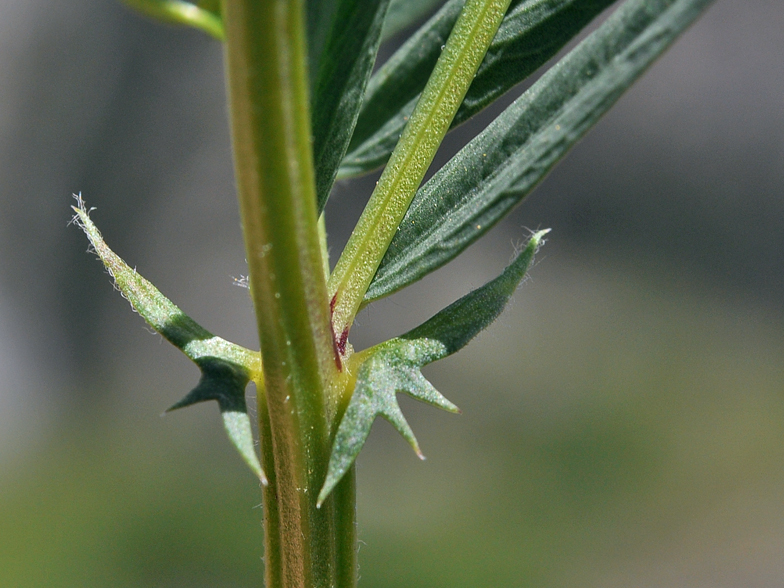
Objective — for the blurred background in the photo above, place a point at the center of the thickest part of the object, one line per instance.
(623, 421)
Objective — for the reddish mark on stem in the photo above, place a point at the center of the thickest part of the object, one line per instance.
(342, 341)
(338, 344)
(338, 362)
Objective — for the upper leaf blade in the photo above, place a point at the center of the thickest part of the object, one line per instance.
(404, 13)
(394, 366)
(497, 169)
(344, 36)
(319, 17)
(531, 33)
(393, 91)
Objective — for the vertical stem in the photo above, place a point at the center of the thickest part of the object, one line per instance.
(265, 58)
(273, 566)
(344, 497)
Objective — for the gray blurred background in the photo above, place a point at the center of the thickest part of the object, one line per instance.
(623, 422)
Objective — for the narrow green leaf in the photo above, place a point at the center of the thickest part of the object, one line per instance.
(226, 368)
(319, 17)
(497, 169)
(394, 366)
(345, 46)
(531, 33)
(393, 90)
(472, 34)
(403, 13)
(204, 16)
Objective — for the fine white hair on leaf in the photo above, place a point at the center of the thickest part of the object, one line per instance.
(81, 206)
(242, 281)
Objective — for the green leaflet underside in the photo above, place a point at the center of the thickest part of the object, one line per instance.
(531, 33)
(204, 15)
(394, 366)
(226, 368)
(503, 164)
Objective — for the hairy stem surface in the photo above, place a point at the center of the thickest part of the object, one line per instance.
(265, 58)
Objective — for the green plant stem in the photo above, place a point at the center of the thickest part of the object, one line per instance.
(273, 566)
(344, 498)
(265, 58)
(443, 94)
